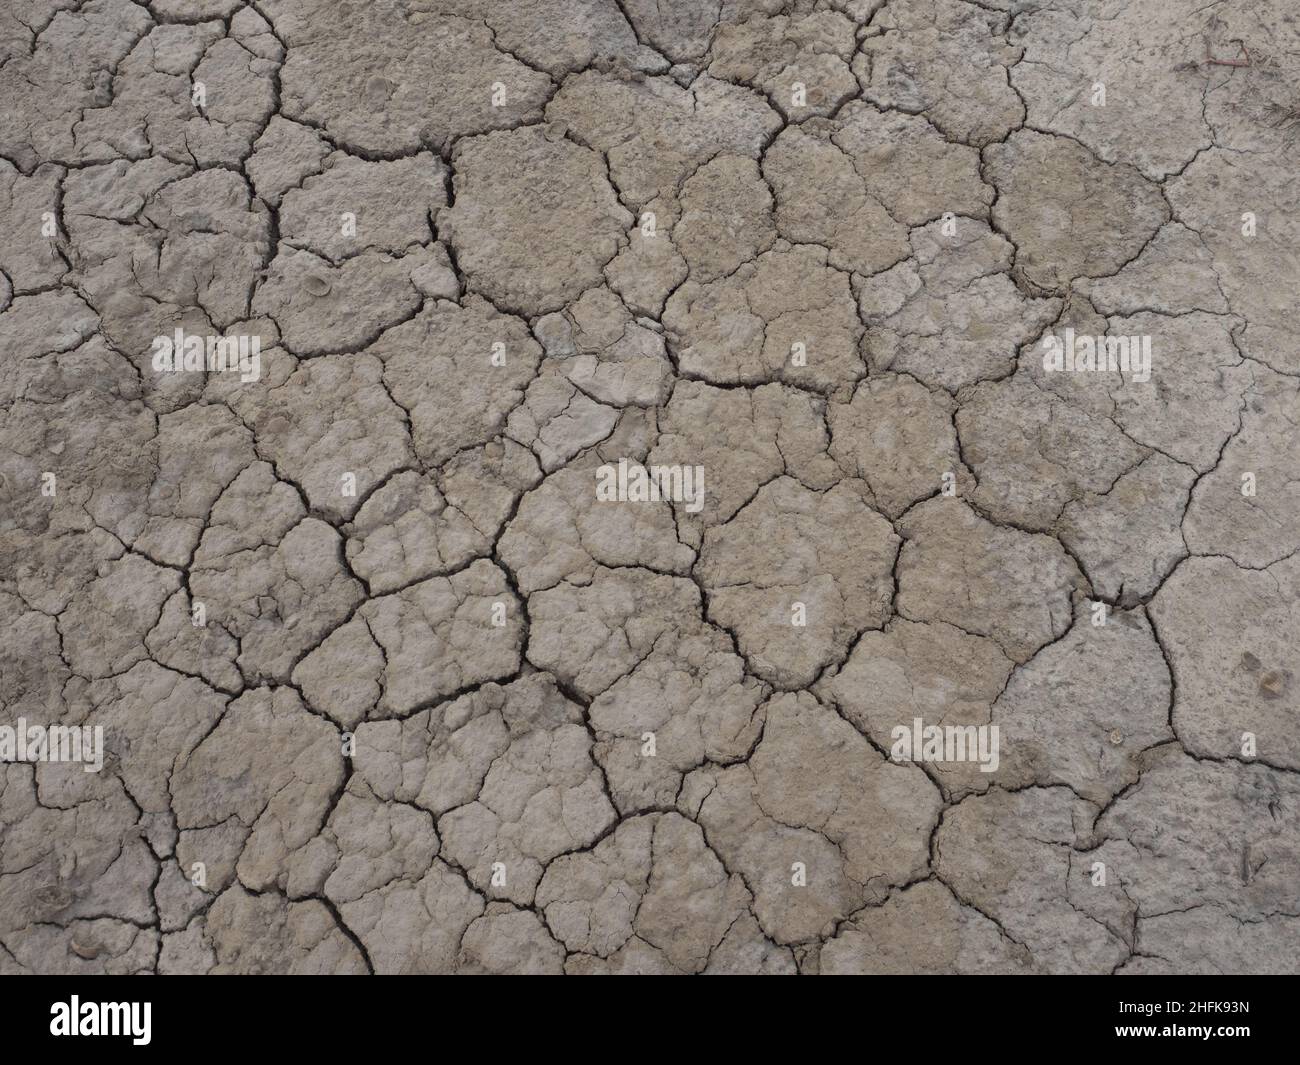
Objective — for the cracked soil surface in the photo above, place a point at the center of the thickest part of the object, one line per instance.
(385, 685)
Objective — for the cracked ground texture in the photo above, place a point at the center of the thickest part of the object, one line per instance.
(384, 687)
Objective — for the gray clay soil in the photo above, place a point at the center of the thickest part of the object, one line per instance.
(394, 670)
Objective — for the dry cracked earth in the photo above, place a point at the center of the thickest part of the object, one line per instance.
(385, 680)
